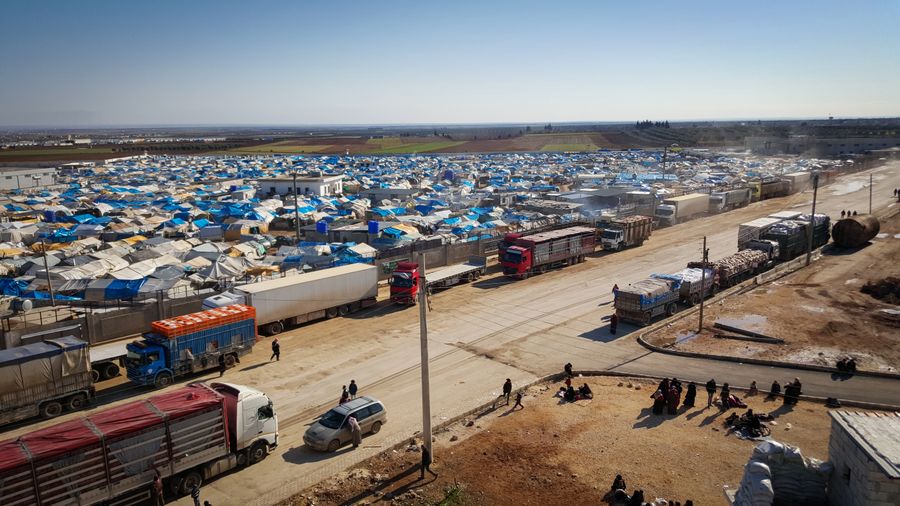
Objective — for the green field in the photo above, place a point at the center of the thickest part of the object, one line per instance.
(569, 147)
(420, 147)
(278, 147)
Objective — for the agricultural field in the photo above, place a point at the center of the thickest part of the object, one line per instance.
(286, 147)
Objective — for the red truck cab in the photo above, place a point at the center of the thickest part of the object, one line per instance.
(515, 258)
(405, 283)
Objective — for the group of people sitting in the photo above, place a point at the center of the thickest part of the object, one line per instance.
(570, 394)
(618, 496)
(749, 425)
(846, 364)
(668, 396)
(728, 400)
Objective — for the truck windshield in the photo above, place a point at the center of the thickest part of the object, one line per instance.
(610, 234)
(512, 256)
(664, 211)
(401, 281)
(332, 419)
(136, 359)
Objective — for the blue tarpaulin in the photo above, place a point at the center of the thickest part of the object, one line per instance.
(123, 289)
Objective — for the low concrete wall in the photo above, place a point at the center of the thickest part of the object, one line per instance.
(112, 325)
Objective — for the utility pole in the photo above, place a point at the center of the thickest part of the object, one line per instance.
(870, 193)
(812, 219)
(47, 272)
(703, 283)
(423, 339)
(296, 209)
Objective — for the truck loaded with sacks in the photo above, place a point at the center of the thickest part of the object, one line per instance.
(660, 294)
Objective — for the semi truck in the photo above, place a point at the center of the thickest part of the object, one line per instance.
(660, 294)
(187, 435)
(523, 255)
(621, 233)
(727, 200)
(753, 230)
(679, 209)
(790, 236)
(44, 379)
(293, 300)
(770, 188)
(191, 343)
(405, 278)
(742, 265)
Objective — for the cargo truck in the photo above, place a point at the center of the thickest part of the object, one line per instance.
(293, 300)
(821, 232)
(523, 255)
(644, 300)
(727, 200)
(798, 181)
(191, 343)
(753, 230)
(111, 457)
(742, 265)
(769, 188)
(44, 379)
(790, 236)
(626, 232)
(405, 278)
(679, 209)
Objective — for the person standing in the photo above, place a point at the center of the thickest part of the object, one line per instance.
(726, 394)
(157, 490)
(276, 350)
(195, 493)
(426, 463)
(615, 290)
(507, 390)
(355, 431)
(613, 323)
(710, 392)
(353, 388)
(518, 403)
(345, 395)
(843, 213)
(690, 395)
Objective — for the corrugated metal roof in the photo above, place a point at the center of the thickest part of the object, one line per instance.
(878, 434)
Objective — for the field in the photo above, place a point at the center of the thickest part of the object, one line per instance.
(568, 453)
(38, 154)
(284, 147)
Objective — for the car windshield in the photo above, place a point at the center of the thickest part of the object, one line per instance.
(332, 419)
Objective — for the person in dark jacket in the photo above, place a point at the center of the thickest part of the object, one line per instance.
(507, 390)
(725, 395)
(775, 390)
(568, 369)
(690, 395)
(276, 350)
(659, 401)
(710, 391)
(353, 388)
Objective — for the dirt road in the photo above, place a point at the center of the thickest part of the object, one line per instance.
(483, 333)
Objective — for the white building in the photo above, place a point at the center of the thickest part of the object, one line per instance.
(306, 185)
(22, 178)
(865, 451)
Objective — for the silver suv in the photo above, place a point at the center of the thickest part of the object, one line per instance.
(332, 429)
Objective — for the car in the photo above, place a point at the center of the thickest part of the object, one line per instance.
(331, 430)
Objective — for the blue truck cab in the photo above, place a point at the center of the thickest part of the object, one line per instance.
(157, 360)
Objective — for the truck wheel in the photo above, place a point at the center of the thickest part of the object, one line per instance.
(51, 409)
(621, 246)
(331, 312)
(645, 318)
(334, 445)
(163, 380)
(376, 427)
(344, 310)
(77, 402)
(695, 299)
(274, 328)
(229, 361)
(188, 481)
(110, 370)
(258, 452)
(671, 308)
(95, 375)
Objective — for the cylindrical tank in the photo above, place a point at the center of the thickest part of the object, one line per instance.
(322, 227)
(21, 305)
(373, 227)
(855, 231)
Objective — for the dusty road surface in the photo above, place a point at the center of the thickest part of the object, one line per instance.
(483, 333)
(569, 453)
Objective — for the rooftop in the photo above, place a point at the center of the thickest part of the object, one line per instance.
(878, 434)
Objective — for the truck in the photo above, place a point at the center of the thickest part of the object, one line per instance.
(191, 343)
(729, 199)
(769, 188)
(753, 230)
(790, 236)
(798, 181)
(293, 300)
(523, 255)
(679, 209)
(404, 280)
(621, 233)
(44, 378)
(112, 456)
(821, 233)
(644, 300)
(742, 265)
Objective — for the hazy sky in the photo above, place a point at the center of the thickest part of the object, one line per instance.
(85, 63)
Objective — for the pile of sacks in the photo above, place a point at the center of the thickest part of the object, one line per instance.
(777, 472)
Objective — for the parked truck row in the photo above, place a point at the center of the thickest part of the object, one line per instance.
(404, 280)
(621, 233)
(522, 255)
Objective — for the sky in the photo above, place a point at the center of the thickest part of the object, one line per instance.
(123, 63)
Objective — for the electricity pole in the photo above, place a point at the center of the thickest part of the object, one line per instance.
(423, 340)
(703, 283)
(47, 272)
(296, 209)
(870, 193)
(812, 219)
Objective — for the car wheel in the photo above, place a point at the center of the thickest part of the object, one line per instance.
(77, 402)
(334, 445)
(331, 312)
(344, 310)
(671, 308)
(376, 427)
(51, 409)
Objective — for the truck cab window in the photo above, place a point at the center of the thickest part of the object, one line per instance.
(265, 412)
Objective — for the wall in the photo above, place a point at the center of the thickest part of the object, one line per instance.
(112, 325)
(11, 179)
(867, 483)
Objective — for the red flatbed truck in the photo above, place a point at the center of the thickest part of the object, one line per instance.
(523, 255)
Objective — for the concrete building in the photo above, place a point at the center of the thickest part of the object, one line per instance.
(379, 194)
(320, 186)
(812, 146)
(22, 178)
(865, 451)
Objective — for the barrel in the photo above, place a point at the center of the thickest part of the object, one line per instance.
(21, 305)
(855, 231)
(322, 227)
(373, 227)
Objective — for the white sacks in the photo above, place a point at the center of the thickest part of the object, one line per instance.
(783, 470)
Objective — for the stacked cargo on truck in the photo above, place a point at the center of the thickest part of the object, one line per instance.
(523, 255)
(44, 379)
(821, 228)
(405, 278)
(621, 233)
(735, 268)
(790, 236)
(211, 339)
(682, 208)
(293, 300)
(644, 300)
(688, 282)
(187, 435)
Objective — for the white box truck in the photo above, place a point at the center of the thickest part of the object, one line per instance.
(729, 199)
(678, 209)
(293, 300)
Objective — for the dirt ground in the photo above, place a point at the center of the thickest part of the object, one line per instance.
(819, 311)
(568, 453)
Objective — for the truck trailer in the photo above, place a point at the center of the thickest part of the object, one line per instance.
(192, 343)
(44, 379)
(679, 209)
(523, 255)
(727, 200)
(293, 300)
(742, 265)
(644, 300)
(770, 188)
(790, 236)
(110, 457)
(626, 232)
(405, 278)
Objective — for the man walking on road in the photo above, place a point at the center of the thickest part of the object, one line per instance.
(353, 389)
(276, 350)
(710, 392)
(518, 403)
(507, 390)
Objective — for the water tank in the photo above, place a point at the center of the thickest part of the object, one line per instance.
(21, 305)
(855, 231)
(322, 227)
(373, 227)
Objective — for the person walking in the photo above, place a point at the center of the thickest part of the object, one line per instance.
(518, 403)
(157, 489)
(353, 388)
(276, 350)
(345, 395)
(195, 493)
(710, 392)
(843, 213)
(355, 431)
(507, 390)
(426, 463)
(613, 323)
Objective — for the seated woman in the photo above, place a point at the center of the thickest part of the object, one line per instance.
(570, 394)
(585, 392)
